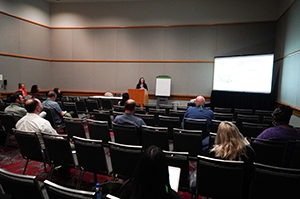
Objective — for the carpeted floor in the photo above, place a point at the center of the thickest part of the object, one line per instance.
(12, 160)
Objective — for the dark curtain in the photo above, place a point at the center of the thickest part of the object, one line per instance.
(226, 99)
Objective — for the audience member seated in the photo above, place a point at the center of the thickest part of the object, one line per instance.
(33, 122)
(15, 107)
(58, 93)
(125, 97)
(128, 118)
(150, 179)
(200, 112)
(22, 88)
(282, 130)
(57, 112)
(108, 94)
(230, 144)
(35, 91)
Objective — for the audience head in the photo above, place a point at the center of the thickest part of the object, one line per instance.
(34, 89)
(17, 97)
(108, 94)
(56, 90)
(51, 95)
(125, 97)
(229, 143)
(21, 85)
(282, 115)
(151, 176)
(142, 80)
(200, 101)
(33, 105)
(20, 93)
(130, 105)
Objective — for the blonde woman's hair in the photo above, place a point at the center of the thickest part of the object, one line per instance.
(229, 143)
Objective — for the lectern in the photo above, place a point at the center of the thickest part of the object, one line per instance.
(139, 95)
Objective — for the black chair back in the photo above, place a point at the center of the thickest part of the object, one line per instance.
(124, 159)
(126, 134)
(98, 130)
(157, 136)
(222, 110)
(20, 186)
(56, 191)
(262, 113)
(74, 127)
(188, 141)
(169, 122)
(219, 178)
(241, 111)
(91, 157)
(295, 160)
(178, 113)
(274, 182)
(196, 124)
(223, 116)
(8, 123)
(103, 116)
(246, 118)
(252, 129)
(269, 152)
(106, 104)
(181, 160)
(59, 151)
(30, 147)
(92, 104)
(148, 119)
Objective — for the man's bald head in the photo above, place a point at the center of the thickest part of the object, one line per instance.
(200, 101)
(33, 105)
(130, 105)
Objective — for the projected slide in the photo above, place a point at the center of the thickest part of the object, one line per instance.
(252, 73)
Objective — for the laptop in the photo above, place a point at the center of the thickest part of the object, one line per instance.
(174, 176)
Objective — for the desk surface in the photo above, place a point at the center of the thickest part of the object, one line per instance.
(106, 97)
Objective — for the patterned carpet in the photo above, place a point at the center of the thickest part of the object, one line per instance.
(12, 160)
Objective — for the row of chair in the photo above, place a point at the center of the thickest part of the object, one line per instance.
(215, 178)
(90, 155)
(20, 186)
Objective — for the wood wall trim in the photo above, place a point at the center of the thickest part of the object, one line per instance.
(23, 56)
(106, 61)
(288, 55)
(23, 19)
(127, 27)
(167, 26)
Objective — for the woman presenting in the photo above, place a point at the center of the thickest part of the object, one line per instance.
(142, 84)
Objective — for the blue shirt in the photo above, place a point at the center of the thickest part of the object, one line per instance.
(130, 119)
(57, 110)
(196, 113)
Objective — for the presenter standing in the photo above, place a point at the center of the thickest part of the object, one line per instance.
(142, 84)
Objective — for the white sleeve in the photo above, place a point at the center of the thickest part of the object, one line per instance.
(47, 128)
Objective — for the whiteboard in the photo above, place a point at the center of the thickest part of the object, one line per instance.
(163, 86)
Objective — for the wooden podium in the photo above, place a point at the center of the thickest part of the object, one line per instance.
(139, 95)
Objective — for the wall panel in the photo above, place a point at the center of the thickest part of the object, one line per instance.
(152, 43)
(10, 69)
(177, 43)
(105, 77)
(9, 31)
(34, 40)
(83, 44)
(61, 44)
(36, 72)
(105, 44)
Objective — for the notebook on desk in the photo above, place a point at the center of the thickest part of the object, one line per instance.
(174, 176)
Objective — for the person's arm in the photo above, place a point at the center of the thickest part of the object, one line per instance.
(145, 86)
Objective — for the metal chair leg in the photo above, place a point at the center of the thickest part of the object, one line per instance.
(25, 166)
